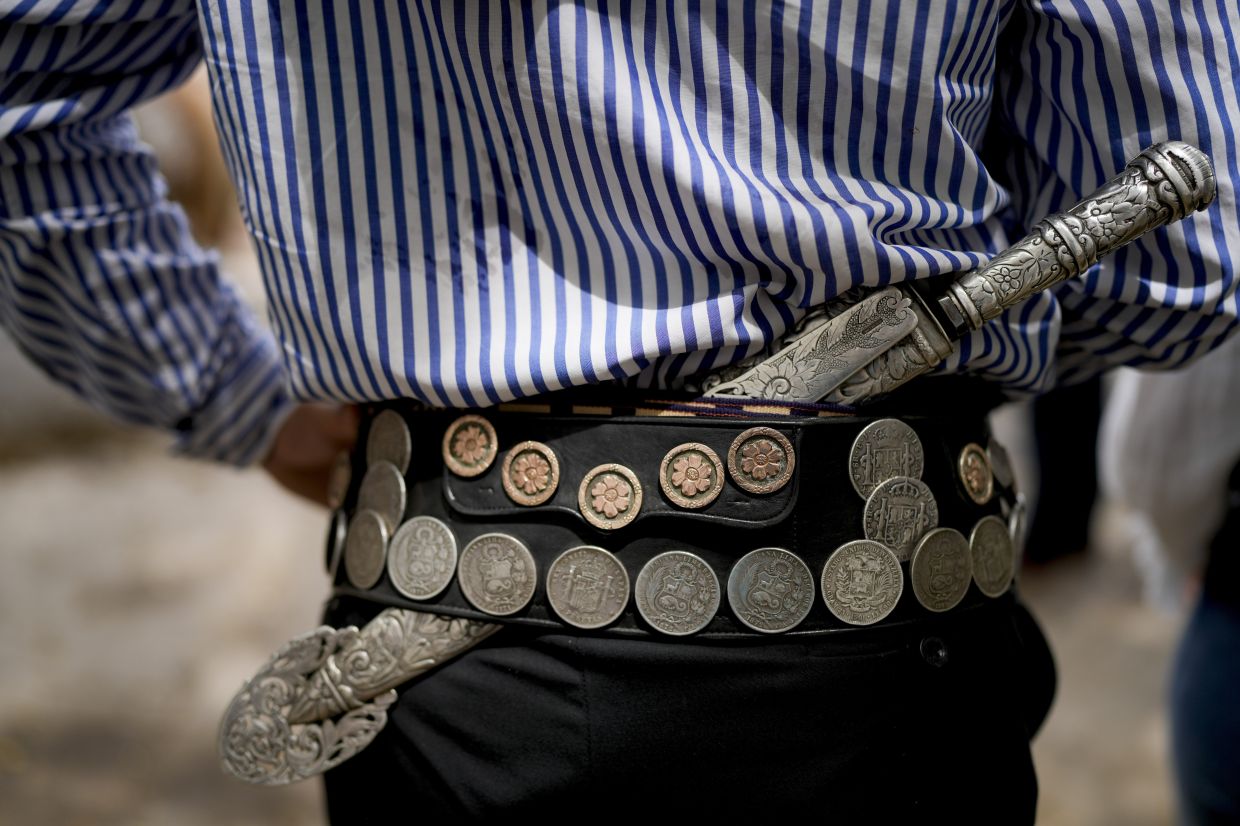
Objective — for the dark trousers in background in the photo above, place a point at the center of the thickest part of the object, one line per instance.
(922, 722)
(1205, 687)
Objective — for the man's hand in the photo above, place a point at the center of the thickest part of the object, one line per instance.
(306, 447)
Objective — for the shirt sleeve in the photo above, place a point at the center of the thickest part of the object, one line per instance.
(101, 283)
(1082, 86)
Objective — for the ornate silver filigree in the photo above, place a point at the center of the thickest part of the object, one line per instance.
(818, 359)
(278, 729)
(1163, 184)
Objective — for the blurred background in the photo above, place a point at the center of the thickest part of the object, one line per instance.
(138, 591)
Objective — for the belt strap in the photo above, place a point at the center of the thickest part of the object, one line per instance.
(814, 513)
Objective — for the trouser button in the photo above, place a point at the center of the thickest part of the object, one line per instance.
(934, 651)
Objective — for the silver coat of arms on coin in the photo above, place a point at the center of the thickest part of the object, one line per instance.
(770, 590)
(884, 450)
(389, 440)
(365, 549)
(942, 569)
(383, 491)
(862, 582)
(531, 473)
(898, 512)
(993, 559)
(761, 460)
(469, 446)
(496, 574)
(677, 593)
(609, 496)
(975, 473)
(587, 587)
(422, 557)
(691, 475)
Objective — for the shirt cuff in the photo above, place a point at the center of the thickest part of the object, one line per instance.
(250, 399)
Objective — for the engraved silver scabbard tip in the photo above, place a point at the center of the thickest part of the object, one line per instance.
(1188, 170)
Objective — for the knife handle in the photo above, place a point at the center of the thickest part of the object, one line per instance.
(1165, 183)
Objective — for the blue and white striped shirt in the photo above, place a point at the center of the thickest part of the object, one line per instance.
(468, 202)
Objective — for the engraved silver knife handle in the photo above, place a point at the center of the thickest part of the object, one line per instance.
(1165, 183)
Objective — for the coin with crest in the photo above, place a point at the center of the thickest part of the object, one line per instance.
(422, 557)
(389, 440)
(383, 491)
(899, 512)
(770, 590)
(588, 587)
(496, 574)
(365, 549)
(884, 450)
(993, 558)
(862, 582)
(942, 569)
(677, 593)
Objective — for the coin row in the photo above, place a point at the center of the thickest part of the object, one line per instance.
(769, 590)
(760, 460)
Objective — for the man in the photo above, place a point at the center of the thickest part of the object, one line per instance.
(465, 204)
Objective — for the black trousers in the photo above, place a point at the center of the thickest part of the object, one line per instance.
(917, 722)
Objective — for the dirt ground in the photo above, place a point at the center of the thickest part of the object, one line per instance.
(137, 591)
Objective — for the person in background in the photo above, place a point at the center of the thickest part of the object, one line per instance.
(1170, 455)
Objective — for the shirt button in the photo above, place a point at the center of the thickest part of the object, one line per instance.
(934, 651)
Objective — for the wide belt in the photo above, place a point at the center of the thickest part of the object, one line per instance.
(668, 520)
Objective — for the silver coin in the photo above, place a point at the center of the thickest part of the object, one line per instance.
(677, 593)
(337, 533)
(1000, 464)
(365, 549)
(496, 574)
(422, 557)
(338, 481)
(993, 560)
(884, 450)
(899, 512)
(389, 441)
(942, 569)
(587, 587)
(383, 491)
(770, 590)
(1017, 528)
(862, 582)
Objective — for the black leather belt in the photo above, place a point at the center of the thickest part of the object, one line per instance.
(733, 481)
